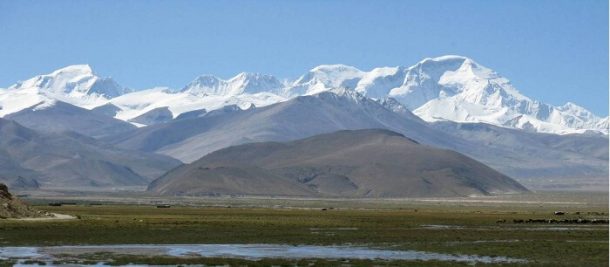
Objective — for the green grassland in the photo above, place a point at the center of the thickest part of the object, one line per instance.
(469, 228)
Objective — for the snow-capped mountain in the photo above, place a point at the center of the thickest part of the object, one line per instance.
(323, 78)
(458, 89)
(205, 92)
(451, 88)
(75, 80)
(79, 86)
(137, 103)
(76, 84)
(454, 88)
(244, 82)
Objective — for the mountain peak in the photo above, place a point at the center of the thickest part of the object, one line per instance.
(72, 81)
(244, 82)
(248, 75)
(335, 75)
(206, 78)
(334, 67)
(252, 76)
(247, 82)
(203, 84)
(446, 58)
(457, 88)
(447, 61)
(571, 105)
(325, 77)
(74, 69)
(455, 63)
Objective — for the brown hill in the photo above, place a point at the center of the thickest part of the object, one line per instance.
(12, 207)
(359, 163)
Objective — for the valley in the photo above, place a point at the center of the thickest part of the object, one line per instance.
(304, 133)
(482, 226)
(339, 167)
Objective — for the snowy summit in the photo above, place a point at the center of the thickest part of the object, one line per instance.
(452, 88)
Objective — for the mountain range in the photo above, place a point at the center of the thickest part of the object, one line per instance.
(74, 129)
(446, 88)
(520, 154)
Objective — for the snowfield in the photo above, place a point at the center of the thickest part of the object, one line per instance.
(137, 103)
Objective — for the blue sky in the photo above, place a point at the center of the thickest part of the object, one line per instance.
(554, 51)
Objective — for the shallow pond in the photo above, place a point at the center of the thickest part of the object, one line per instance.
(242, 251)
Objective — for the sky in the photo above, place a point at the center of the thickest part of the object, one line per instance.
(553, 51)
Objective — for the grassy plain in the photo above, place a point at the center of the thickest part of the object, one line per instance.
(458, 226)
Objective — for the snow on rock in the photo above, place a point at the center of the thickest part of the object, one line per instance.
(76, 84)
(244, 82)
(252, 83)
(138, 103)
(459, 89)
(378, 82)
(206, 84)
(453, 88)
(75, 81)
(324, 78)
(12, 101)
